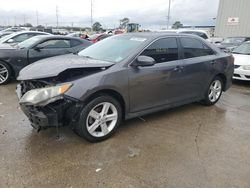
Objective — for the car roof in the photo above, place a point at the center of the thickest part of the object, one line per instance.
(42, 37)
(155, 35)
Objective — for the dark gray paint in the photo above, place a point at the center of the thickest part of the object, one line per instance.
(148, 89)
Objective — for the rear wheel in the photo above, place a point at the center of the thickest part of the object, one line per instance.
(99, 119)
(214, 91)
(5, 73)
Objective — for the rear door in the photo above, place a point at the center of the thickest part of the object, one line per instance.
(199, 59)
(160, 84)
(49, 48)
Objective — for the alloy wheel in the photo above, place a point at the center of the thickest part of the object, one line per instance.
(4, 73)
(102, 119)
(215, 90)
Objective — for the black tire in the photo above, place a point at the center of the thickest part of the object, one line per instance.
(81, 127)
(8, 73)
(207, 101)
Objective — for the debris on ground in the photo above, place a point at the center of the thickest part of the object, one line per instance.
(133, 152)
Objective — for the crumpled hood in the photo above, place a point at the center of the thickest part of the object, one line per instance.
(53, 66)
(241, 59)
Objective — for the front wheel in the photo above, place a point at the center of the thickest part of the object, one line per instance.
(99, 119)
(5, 73)
(214, 91)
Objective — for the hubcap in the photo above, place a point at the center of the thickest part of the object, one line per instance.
(4, 74)
(215, 91)
(102, 119)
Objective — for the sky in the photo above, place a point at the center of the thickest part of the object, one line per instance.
(148, 13)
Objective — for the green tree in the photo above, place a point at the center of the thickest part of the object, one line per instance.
(177, 25)
(97, 26)
(123, 23)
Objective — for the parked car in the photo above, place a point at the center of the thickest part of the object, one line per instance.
(21, 36)
(4, 34)
(79, 35)
(14, 57)
(232, 42)
(242, 62)
(200, 33)
(122, 77)
(98, 37)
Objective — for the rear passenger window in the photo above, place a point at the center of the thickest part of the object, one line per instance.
(163, 50)
(194, 48)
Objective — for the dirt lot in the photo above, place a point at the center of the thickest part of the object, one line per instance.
(191, 146)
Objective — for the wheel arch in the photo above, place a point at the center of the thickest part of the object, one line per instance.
(111, 93)
(12, 72)
(224, 79)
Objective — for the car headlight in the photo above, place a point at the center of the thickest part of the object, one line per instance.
(246, 67)
(44, 96)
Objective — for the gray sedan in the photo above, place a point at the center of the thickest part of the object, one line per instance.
(122, 77)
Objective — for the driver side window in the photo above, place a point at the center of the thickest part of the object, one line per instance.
(55, 44)
(163, 50)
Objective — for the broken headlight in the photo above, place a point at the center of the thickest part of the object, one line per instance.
(44, 96)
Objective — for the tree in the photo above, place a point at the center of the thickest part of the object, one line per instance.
(123, 23)
(177, 25)
(28, 25)
(97, 26)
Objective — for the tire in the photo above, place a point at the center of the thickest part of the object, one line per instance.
(213, 92)
(5, 73)
(93, 124)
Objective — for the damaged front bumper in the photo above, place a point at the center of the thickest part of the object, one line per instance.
(62, 112)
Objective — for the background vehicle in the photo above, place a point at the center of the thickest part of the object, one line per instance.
(122, 77)
(98, 37)
(21, 36)
(242, 62)
(14, 58)
(232, 42)
(79, 35)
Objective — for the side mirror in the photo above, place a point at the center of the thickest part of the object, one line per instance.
(38, 47)
(10, 41)
(144, 61)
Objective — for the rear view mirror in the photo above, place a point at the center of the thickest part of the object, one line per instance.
(144, 61)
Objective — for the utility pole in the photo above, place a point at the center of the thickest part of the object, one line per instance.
(91, 14)
(169, 5)
(24, 19)
(56, 16)
(36, 18)
(15, 20)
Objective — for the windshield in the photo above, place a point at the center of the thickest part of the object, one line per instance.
(29, 42)
(243, 49)
(114, 49)
(234, 40)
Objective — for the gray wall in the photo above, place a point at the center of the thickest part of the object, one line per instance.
(233, 8)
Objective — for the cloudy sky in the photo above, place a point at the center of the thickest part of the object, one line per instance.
(149, 13)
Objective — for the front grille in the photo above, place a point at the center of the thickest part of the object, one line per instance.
(236, 75)
(236, 66)
(29, 85)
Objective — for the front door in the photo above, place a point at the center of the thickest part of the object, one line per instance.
(160, 84)
(49, 48)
